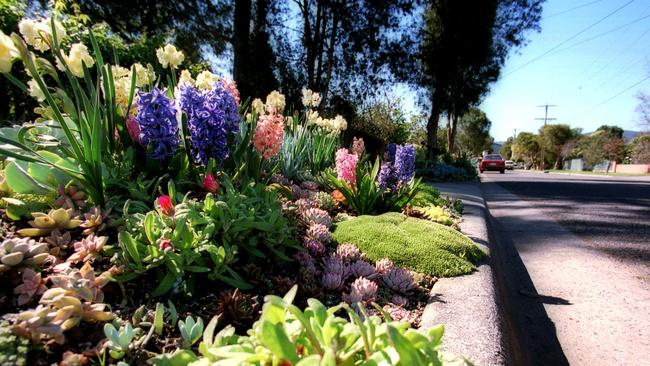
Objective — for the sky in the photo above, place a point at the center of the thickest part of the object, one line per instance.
(591, 59)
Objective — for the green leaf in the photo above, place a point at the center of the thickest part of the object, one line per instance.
(165, 285)
(436, 333)
(158, 318)
(128, 243)
(275, 338)
(20, 181)
(408, 355)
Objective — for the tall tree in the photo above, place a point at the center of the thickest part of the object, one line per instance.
(194, 25)
(464, 44)
(473, 133)
(555, 137)
(527, 148)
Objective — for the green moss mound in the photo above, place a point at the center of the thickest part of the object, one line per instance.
(416, 244)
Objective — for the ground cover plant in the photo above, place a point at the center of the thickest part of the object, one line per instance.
(140, 206)
(416, 244)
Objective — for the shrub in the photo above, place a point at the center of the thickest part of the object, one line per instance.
(418, 245)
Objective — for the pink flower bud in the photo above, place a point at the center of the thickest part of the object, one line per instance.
(166, 245)
(210, 183)
(166, 205)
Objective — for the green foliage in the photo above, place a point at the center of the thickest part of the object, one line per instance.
(322, 149)
(427, 195)
(120, 340)
(527, 148)
(285, 334)
(438, 214)
(191, 330)
(247, 218)
(640, 149)
(473, 133)
(416, 244)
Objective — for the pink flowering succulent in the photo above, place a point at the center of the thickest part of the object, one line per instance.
(361, 290)
(88, 248)
(383, 266)
(319, 232)
(399, 314)
(268, 135)
(315, 247)
(166, 205)
(303, 204)
(400, 280)
(317, 216)
(166, 245)
(361, 268)
(399, 300)
(210, 183)
(348, 252)
(346, 166)
(33, 284)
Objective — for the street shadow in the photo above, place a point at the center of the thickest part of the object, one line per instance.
(529, 334)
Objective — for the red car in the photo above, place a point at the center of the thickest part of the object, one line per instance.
(492, 162)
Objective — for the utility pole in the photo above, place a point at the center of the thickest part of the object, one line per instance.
(545, 119)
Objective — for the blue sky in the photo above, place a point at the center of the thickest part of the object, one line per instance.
(591, 77)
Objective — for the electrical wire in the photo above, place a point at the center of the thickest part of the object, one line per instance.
(570, 38)
(571, 9)
(622, 91)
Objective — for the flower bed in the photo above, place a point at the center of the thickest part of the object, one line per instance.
(145, 221)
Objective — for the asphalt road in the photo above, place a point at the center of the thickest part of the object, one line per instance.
(575, 258)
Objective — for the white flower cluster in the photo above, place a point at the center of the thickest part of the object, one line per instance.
(169, 56)
(38, 33)
(275, 103)
(8, 52)
(122, 81)
(75, 59)
(204, 80)
(310, 99)
(334, 125)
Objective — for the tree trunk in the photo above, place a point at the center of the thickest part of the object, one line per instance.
(241, 37)
(452, 123)
(330, 57)
(309, 44)
(432, 130)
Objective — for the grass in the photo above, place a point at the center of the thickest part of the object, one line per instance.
(416, 244)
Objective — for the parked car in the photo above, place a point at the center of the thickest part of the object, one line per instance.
(492, 162)
(510, 165)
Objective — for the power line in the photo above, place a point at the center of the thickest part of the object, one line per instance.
(570, 38)
(570, 10)
(622, 91)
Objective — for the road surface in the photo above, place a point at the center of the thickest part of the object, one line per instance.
(576, 259)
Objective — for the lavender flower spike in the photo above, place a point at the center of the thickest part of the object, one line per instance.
(158, 125)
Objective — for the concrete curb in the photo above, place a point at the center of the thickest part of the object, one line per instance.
(468, 305)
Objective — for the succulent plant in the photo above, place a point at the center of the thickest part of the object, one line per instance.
(238, 309)
(332, 280)
(383, 266)
(16, 252)
(45, 223)
(334, 264)
(398, 313)
(88, 248)
(315, 247)
(319, 232)
(338, 196)
(70, 197)
(306, 262)
(191, 330)
(120, 340)
(280, 179)
(325, 201)
(81, 283)
(13, 349)
(348, 252)
(282, 284)
(73, 359)
(303, 204)
(399, 280)
(95, 220)
(252, 273)
(317, 216)
(33, 284)
(299, 192)
(361, 290)
(309, 285)
(399, 300)
(309, 185)
(58, 242)
(361, 268)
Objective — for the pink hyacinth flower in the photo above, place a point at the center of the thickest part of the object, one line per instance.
(346, 166)
(269, 134)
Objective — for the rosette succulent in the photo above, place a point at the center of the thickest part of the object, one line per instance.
(17, 252)
(306, 262)
(45, 223)
(361, 268)
(315, 247)
(324, 201)
(309, 185)
(348, 252)
(70, 197)
(303, 204)
(332, 280)
(88, 248)
(399, 280)
(95, 220)
(361, 290)
(319, 232)
(383, 266)
(317, 216)
(33, 284)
